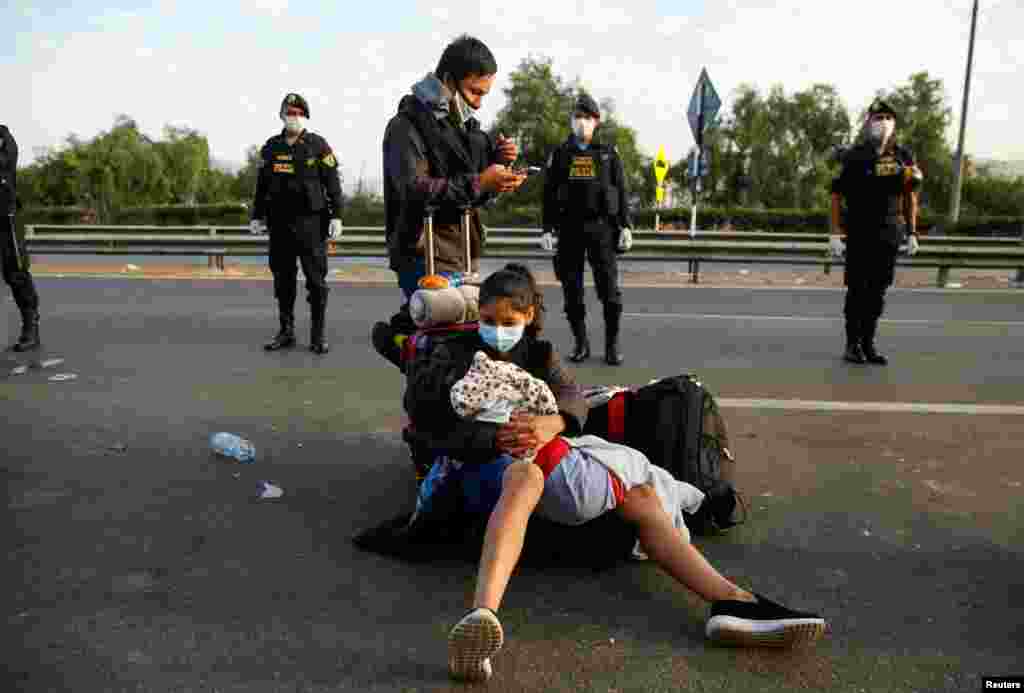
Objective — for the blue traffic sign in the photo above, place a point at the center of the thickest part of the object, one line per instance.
(704, 105)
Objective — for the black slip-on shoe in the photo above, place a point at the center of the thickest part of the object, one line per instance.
(763, 623)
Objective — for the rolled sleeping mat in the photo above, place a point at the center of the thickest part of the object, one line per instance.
(471, 294)
(432, 307)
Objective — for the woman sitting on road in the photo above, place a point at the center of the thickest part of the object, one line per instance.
(561, 484)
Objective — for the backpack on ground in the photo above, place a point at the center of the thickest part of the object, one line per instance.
(676, 422)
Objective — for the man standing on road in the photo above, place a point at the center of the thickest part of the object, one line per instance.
(12, 252)
(586, 214)
(880, 182)
(298, 197)
(438, 161)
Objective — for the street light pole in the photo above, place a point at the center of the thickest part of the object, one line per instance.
(958, 159)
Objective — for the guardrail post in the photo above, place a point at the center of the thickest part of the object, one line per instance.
(1020, 270)
(943, 277)
(695, 271)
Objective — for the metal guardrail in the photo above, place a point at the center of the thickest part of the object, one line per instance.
(216, 242)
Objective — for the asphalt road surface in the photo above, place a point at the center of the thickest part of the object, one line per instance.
(888, 499)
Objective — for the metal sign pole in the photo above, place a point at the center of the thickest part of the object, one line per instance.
(697, 158)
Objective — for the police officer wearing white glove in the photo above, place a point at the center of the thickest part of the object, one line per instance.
(879, 182)
(298, 200)
(548, 242)
(586, 203)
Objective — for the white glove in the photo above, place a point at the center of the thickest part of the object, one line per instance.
(626, 240)
(912, 244)
(548, 241)
(334, 229)
(836, 246)
(257, 227)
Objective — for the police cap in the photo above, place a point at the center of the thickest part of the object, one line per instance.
(880, 106)
(294, 101)
(585, 104)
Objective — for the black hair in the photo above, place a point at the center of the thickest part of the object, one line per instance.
(465, 56)
(516, 283)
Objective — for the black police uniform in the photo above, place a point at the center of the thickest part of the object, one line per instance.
(13, 258)
(298, 192)
(585, 205)
(874, 187)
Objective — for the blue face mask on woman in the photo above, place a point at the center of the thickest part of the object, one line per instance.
(501, 337)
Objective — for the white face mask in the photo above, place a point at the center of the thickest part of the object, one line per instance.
(294, 124)
(583, 128)
(463, 108)
(881, 130)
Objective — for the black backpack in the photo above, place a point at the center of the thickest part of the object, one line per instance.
(676, 423)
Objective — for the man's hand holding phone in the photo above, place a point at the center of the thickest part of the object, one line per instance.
(499, 179)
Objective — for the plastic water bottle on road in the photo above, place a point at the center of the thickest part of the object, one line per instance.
(232, 447)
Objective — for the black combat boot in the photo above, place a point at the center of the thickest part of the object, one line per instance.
(581, 349)
(868, 343)
(317, 343)
(612, 355)
(285, 337)
(29, 338)
(853, 354)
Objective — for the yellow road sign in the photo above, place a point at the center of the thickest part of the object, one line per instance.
(659, 193)
(660, 165)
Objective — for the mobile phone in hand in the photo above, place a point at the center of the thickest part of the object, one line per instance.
(528, 171)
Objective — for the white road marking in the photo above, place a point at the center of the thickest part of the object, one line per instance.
(821, 318)
(896, 407)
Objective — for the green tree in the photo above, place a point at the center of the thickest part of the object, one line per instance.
(244, 185)
(537, 114)
(186, 159)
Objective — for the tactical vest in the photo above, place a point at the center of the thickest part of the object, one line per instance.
(294, 174)
(586, 191)
(876, 185)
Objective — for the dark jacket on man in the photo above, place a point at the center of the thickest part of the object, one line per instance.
(297, 180)
(428, 395)
(431, 161)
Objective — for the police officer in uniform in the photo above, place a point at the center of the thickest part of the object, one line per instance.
(12, 252)
(879, 183)
(586, 214)
(298, 197)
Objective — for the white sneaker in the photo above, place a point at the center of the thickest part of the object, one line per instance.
(471, 644)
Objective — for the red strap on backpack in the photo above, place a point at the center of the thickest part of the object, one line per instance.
(617, 418)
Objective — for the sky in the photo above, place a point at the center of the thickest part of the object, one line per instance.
(223, 67)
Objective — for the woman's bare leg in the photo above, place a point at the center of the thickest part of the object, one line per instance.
(521, 489)
(665, 546)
